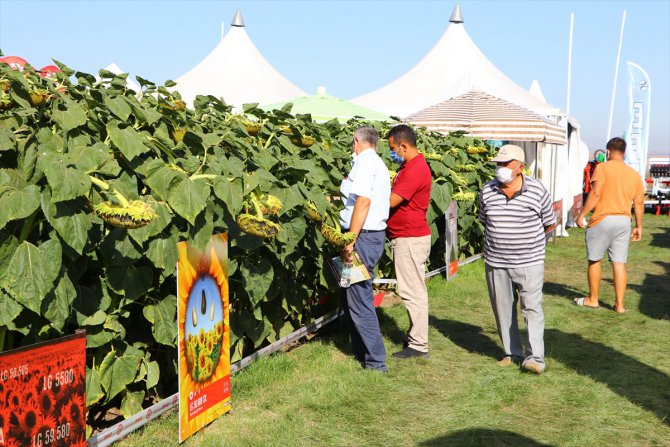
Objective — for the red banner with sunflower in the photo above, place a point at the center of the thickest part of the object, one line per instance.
(204, 334)
(42, 394)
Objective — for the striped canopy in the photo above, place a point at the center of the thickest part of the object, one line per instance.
(490, 118)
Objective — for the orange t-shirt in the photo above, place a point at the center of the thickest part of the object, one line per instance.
(621, 184)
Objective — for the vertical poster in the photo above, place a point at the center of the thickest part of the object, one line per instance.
(451, 253)
(203, 334)
(42, 394)
(637, 134)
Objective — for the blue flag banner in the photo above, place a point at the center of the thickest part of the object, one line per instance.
(637, 135)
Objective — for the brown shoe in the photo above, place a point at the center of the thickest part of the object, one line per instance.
(505, 361)
(532, 367)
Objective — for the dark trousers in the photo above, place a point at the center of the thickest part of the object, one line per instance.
(359, 309)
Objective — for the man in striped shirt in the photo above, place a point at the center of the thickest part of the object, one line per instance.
(516, 212)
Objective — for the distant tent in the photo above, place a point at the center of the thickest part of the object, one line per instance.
(237, 72)
(325, 107)
(560, 167)
(129, 82)
(452, 67)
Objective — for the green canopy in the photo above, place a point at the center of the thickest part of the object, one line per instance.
(325, 107)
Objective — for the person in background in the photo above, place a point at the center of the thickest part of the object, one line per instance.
(409, 232)
(516, 212)
(598, 157)
(615, 186)
(366, 192)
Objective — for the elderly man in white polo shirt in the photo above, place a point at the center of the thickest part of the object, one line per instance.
(516, 212)
(366, 192)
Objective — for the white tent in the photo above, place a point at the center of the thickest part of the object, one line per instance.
(560, 167)
(129, 82)
(237, 72)
(452, 67)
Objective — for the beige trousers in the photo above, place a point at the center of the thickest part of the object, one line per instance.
(409, 258)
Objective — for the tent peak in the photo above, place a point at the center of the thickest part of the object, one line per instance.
(321, 90)
(238, 20)
(456, 16)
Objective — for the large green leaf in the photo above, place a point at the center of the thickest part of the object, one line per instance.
(153, 374)
(129, 280)
(131, 403)
(9, 309)
(17, 203)
(60, 303)
(441, 195)
(29, 276)
(163, 319)
(70, 115)
(69, 218)
(156, 226)
(91, 158)
(230, 192)
(93, 391)
(65, 180)
(8, 245)
(163, 253)
(116, 372)
(127, 140)
(118, 106)
(258, 275)
(188, 198)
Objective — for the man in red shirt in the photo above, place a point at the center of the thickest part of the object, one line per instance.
(409, 232)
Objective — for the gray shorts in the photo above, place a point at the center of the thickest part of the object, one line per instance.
(611, 234)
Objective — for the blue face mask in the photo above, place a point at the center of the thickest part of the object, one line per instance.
(396, 158)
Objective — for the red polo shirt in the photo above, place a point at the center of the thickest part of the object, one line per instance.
(412, 184)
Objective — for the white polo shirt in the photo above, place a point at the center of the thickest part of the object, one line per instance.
(369, 177)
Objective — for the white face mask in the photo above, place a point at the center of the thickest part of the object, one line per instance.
(504, 175)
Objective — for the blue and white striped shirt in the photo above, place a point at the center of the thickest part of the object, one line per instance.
(515, 235)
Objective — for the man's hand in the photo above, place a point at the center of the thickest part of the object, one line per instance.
(636, 235)
(581, 221)
(346, 254)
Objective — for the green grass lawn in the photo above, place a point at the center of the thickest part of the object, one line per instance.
(607, 381)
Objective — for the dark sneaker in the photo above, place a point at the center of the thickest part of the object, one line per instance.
(409, 353)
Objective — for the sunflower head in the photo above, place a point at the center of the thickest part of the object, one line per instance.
(257, 226)
(135, 215)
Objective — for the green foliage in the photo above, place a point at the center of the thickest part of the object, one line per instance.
(63, 267)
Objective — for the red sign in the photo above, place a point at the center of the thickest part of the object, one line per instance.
(558, 211)
(43, 394)
(205, 398)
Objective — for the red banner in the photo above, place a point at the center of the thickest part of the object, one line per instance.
(43, 394)
(558, 211)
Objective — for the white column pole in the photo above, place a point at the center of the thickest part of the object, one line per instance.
(572, 21)
(616, 76)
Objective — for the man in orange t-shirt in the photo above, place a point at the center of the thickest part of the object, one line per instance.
(615, 186)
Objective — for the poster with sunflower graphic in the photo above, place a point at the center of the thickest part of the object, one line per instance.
(204, 334)
(42, 394)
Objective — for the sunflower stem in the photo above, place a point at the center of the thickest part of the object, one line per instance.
(257, 205)
(105, 186)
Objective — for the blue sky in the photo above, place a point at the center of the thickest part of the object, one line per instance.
(353, 47)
